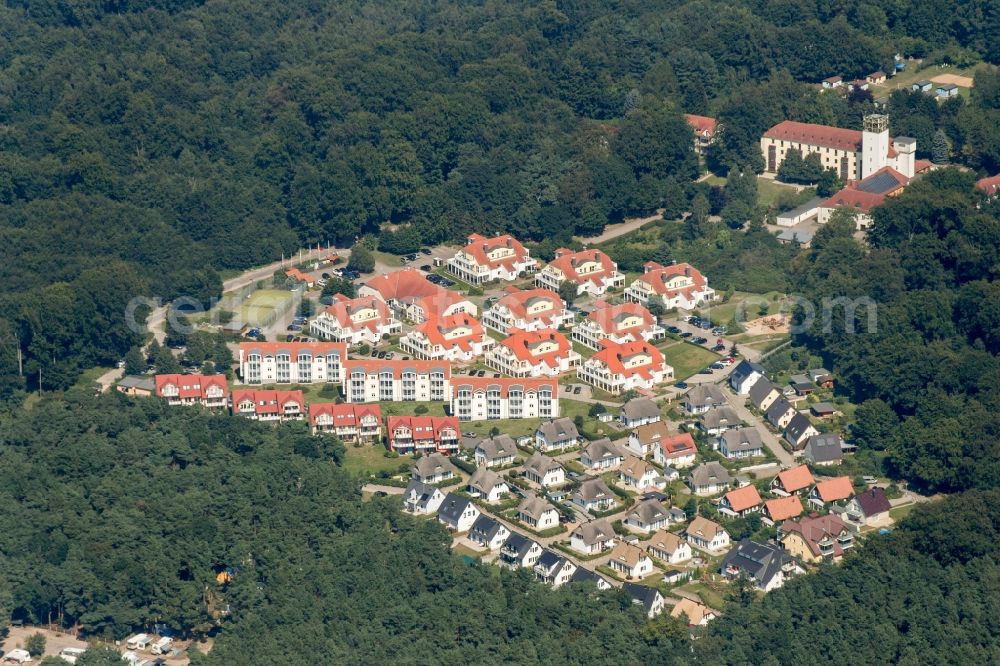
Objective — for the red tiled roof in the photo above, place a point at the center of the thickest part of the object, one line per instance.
(836, 489)
(990, 185)
(294, 349)
(657, 276)
(522, 345)
(268, 402)
(921, 166)
(862, 201)
(402, 285)
(518, 300)
(505, 384)
(679, 445)
(567, 261)
(816, 135)
(815, 529)
(743, 498)
(343, 307)
(795, 479)
(396, 366)
(436, 328)
(299, 275)
(479, 247)
(343, 414)
(613, 354)
(191, 386)
(783, 507)
(702, 125)
(423, 427)
(608, 318)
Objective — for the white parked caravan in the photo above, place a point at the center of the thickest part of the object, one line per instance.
(138, 642)
(16, 656)
(71, 654)
(162, 646)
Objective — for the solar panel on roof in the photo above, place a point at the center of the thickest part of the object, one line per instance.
(879, 183)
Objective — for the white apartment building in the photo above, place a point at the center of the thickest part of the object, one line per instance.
(292, 362)
(397, 381)
(622, 367)
(491, 399)
(678, 286)
(543, 353)
(355, 321)
(627, 322)
(457, 337)
(527, 310)
(592, 271)
(488, 259)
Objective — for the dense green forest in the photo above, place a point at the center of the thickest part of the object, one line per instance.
(187, 138)
(924, 367)
(118, 513)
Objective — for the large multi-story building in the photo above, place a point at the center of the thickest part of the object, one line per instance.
(351, 423)
(625, 322)
(854, 154)
(292, 362)
(527, 310)
(372, 380)
(863, 196)
(487, 259)
(617, 368)
(491, 399)
(207, 390)
(677, 285)
(414, 298)
(592, 271)
(355, 321)
(263, 405)
(457, 337)
(542, 353)
(423, 434)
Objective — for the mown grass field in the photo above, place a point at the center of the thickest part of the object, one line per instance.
(687, 359)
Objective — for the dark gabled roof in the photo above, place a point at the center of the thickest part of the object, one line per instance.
(743, 439)
(640, 408)
(642, 594)
(705, 394)
(760, 390)
(797, 427)
(423, 490)
(761, 561)
(138, 381)
(486, 526)
(717, 417)
(777, 410)
(582, 575)
(548, 559)
(744, 369)
(518, 543)
(873, 501)
(824, 447)
(453, 506)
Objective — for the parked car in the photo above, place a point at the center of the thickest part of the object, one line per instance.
(425, 250)
(673, 329)
(481, 373)
(294, 327)
(686, 334)
(288, 338)
(717, 366)
(577, 389)
(705, 371)
(699, 340)
(681, 385)
(381, 354)
(426, 268)
(390, 355)
(719, 348)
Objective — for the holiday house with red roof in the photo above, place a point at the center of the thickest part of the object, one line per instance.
(854, 154)
(527, 310)
(398, 380)
(206, 390)
(542, 353)
(423, 434)
(625, 322)
(292, 362)
(414, 297)
(592, 271)
(355, 321)
(620, 367)
(495, 398)
(678, 286)
(488, 259)
(704, 131)
(360, 424)
(273, 406)
(675, 451)
(990, 185)
(458, 337)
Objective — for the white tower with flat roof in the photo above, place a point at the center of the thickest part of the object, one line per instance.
(874, 144)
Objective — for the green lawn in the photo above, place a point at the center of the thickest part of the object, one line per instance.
(371, 460)
(388, 259)
(687, 359)
(573, 408)
(708, 595)
(771, 193)
(259, 307)
(724, 313)
(900, 512)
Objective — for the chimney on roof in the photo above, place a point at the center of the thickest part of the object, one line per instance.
(510, 242)
(687, 271)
